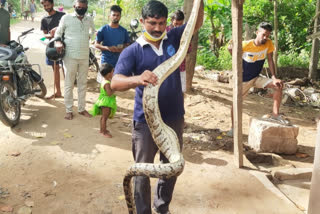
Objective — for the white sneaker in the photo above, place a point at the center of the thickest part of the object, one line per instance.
(278, 119)
(155, 211)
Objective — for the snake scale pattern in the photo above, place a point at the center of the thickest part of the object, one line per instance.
(165, 138)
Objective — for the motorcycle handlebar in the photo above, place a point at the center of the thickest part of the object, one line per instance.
(26, 32)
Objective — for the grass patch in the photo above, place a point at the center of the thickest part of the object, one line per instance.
(14, 21)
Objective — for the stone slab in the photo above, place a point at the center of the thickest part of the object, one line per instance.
(266, 136)
(293, 174)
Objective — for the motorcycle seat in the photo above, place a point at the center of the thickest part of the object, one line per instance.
(7, 54)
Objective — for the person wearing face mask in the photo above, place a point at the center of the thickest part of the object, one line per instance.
(134, 70)
(49, 25)
(76, 29)
(112, 38)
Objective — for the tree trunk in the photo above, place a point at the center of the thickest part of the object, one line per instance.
(191, 60)
(249, 31)
(213, 39)
(22, 5)
(315, 48)
(237, 16)
(275, 35)
(192, 56)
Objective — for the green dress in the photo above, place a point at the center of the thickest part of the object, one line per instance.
(104, 101)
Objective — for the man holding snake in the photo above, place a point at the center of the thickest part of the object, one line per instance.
(134, 70)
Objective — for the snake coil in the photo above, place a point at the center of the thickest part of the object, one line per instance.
(164, 137)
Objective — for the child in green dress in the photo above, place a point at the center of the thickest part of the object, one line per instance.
(106, 104)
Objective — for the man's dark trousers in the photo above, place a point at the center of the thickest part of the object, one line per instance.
(144, 150)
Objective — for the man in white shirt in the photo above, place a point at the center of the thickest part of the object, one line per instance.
(76, 29)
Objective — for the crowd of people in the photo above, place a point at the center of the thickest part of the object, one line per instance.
(125, 66)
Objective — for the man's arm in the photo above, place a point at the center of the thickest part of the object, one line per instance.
(122, 83)
(61, 28)
(271, 64)
(50, 34)
(46, 34)
(59, 33)
(276, 82)
(101, 47)
(98, 43)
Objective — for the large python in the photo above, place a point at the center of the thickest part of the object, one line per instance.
(165, 138)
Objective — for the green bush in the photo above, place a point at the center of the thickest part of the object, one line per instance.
(225, 59)
(206, 58)
(294, 59)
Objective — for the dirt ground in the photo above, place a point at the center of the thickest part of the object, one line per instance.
(56, 166)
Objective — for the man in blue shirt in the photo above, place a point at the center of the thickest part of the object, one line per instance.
(134, 70)
(112, 38)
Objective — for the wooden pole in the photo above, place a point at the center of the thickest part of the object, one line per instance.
(191, 57)
(315, 48)
(275, 35)
(314, 205)
(237, 15)
(54, 79)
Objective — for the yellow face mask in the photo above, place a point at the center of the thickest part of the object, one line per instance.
(152, 38)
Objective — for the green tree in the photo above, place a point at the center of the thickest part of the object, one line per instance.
(218, 14)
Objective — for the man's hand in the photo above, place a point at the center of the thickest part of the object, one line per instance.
(277, 83)
(52, 32)
(59, 46)
(148, 77)
(112, 48)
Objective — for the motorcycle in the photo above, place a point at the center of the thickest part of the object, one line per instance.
(93, 62)
(133, 35)
(18, 81)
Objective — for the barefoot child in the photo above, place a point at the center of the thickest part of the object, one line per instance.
(106, 103)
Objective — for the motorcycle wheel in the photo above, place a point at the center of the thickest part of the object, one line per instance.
(10, 109)
(43, 89)
(94, 67)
